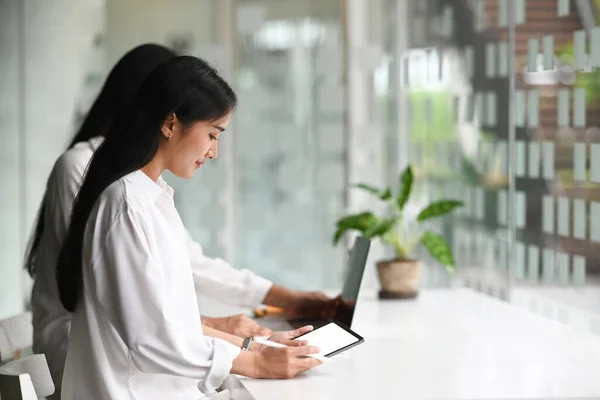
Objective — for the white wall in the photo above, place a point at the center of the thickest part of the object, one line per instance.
(58, 41)
(55, 37)
(10, 276)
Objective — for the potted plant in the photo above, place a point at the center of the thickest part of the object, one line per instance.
(399, 277)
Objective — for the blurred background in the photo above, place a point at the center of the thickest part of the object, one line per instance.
(500, 111)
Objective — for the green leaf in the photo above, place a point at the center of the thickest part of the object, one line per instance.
(386, 195)
(439, 249)
(360, 222)
(368, 188)
(382, 227)
(382, 194)
(338, 235)
(438, 209)
(406, 183)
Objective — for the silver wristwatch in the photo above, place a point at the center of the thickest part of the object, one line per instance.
(246, 344)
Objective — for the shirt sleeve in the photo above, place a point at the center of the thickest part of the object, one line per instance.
(127, 284)
(216, 278)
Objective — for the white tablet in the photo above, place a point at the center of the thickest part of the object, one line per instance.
(332, 339)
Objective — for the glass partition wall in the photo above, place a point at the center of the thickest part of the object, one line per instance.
(495, 103)
(289, 142)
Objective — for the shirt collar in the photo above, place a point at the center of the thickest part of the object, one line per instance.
(147, 186)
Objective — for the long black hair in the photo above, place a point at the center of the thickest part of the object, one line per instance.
(119, 88)
(185, 86)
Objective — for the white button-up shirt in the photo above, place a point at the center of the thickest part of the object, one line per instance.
(136, 333)
(212, 277)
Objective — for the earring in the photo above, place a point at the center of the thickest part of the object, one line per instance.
(168, 138)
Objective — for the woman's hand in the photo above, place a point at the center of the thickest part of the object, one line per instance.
(289, 336)
(286, 338)
(277, 362)
(285, 362)
(238, 325)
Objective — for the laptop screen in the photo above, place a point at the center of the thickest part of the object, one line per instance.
(356, 267)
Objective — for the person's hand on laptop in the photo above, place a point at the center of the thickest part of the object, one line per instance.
(239, 325)
(302, 304)
(315, 305)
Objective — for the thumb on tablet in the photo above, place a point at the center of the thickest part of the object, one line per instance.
(300, 331)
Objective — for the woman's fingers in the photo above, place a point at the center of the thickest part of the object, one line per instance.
(298, 332)
(303, 350)
(301, 331)
(289, 335)
(307, 363)
(294, 343)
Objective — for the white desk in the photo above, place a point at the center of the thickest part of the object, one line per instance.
(450, 344)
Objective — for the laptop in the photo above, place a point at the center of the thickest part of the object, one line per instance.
(345, 313)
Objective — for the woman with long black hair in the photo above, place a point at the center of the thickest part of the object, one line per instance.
(213, 277)
(51, 322)
(124, 270)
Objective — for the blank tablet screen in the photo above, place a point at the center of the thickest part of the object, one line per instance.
(329, 338)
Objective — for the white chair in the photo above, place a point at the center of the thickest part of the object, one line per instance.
(16, 336)
(26, 379)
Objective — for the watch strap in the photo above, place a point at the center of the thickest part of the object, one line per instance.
(246, 344)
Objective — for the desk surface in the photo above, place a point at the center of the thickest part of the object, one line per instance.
(450, 344)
